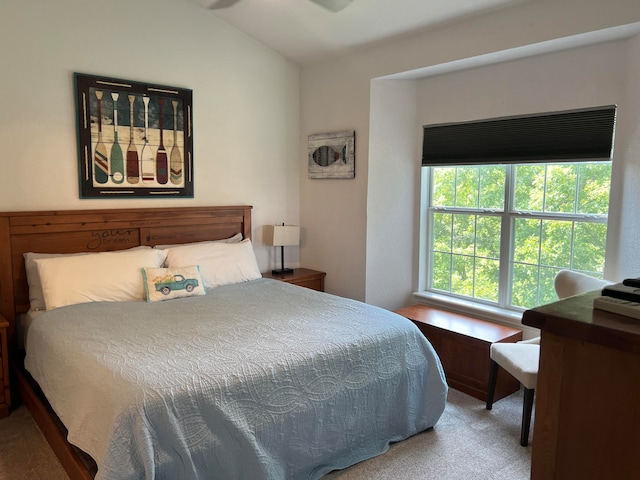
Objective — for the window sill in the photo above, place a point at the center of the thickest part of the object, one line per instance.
(503, 316)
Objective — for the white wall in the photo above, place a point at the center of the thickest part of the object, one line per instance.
(336, 95)
(623, 246)
(394, 183)
(245, 103)
(335, 210)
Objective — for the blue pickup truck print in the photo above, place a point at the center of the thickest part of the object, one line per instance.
(178, 282)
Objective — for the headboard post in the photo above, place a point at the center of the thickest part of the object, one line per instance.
(7, 306)
(246, 233)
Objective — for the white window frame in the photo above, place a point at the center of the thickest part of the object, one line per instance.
(508, 215)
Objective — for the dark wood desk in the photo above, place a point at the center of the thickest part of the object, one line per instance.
(587, 422)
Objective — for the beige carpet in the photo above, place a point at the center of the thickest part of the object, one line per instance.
(469, 442)
(24, 452)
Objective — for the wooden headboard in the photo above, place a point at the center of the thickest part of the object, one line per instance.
(71, 231)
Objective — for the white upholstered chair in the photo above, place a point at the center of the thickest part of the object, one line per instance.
(521, 359)
(568, 283)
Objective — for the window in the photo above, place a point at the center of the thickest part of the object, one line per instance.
(512, 201)
(500, 233)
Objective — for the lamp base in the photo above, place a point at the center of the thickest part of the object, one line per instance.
(282, 271)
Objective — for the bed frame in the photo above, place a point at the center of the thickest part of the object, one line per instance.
(72, 231)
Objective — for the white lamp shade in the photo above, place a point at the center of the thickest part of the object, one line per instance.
(281, 235)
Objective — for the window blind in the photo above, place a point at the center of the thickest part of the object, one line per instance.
(585, 134)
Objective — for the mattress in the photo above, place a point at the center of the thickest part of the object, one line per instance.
(24, 322)
(257, 380)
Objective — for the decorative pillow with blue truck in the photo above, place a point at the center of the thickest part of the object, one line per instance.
(167, 283)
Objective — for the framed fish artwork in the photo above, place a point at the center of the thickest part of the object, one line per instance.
(332, 155)
(134, 139)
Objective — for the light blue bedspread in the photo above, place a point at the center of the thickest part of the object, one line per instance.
(258, 380)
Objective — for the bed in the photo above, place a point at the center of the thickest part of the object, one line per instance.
(238, 376)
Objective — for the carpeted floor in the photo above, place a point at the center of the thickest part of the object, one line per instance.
(24, 452)
(469, 442)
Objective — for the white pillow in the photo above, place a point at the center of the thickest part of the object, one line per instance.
(220, 263)
(96, 277)
(237, 238)
(36, 297)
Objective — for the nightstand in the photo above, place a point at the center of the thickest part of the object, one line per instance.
(303, 277)
(5, 393)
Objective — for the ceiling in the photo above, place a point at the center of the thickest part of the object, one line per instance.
(306, 33)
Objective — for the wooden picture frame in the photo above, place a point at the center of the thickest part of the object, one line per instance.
(332, 155)
(134, 139)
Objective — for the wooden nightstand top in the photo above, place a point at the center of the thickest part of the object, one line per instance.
(304, 277)
(298, 273)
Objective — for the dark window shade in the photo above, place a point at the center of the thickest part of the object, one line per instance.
(574, 135)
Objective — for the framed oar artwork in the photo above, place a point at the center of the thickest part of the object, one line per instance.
(134, 139)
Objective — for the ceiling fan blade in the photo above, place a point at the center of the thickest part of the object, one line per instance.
(215, 4)
(333, 5)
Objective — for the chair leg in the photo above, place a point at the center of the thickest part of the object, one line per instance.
(491, 390)
(527, 408)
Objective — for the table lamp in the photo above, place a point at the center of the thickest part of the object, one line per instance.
(281, 236)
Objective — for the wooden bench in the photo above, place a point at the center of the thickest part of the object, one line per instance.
(463, 345)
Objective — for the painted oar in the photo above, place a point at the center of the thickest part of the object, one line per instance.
(161, 155)
(117, 160)
(175, 160)
(146, 157)
(100, 160)
(133, 167)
